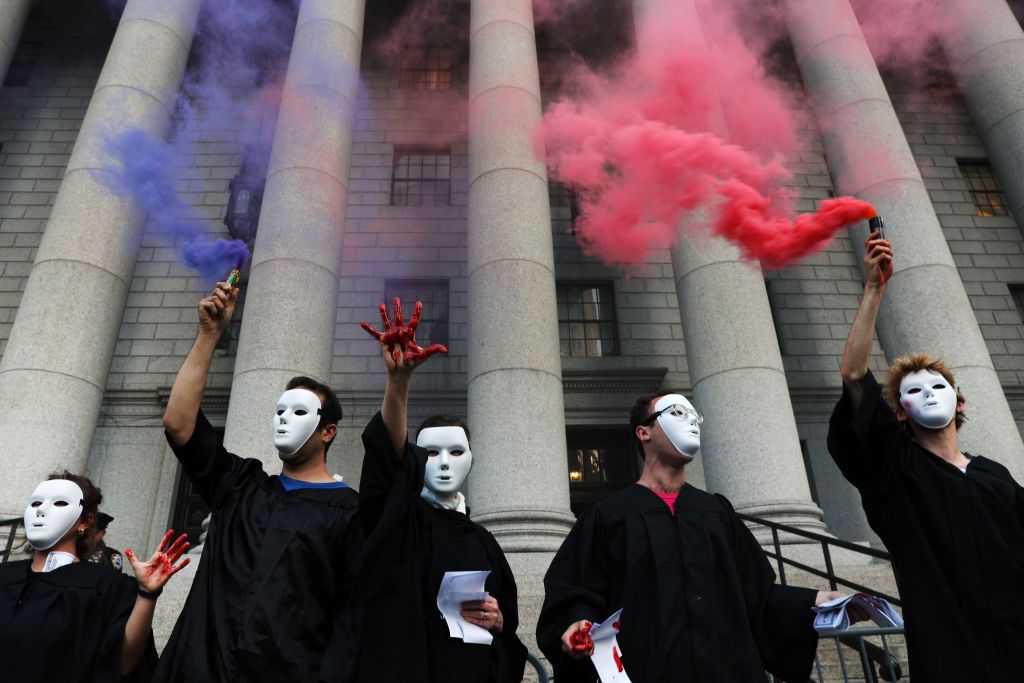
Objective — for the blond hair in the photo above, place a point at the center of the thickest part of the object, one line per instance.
(905, 365)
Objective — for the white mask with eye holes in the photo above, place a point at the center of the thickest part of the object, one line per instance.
(680, 422)
(295, 420)
(53, 508)
(929, 399)
(449, 459)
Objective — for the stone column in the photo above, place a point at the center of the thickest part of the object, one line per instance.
(986, 53)
(291, 302)
(13, 14)
(519, 488)
(58, 357)
(925, 308)
(750, 445)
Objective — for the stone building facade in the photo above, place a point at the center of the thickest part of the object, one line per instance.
(548, 348)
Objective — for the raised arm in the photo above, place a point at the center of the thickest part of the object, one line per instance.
(215, 313)
(878, 265)
(402, 355)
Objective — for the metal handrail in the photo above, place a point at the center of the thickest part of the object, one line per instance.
(869, 653)
(538, 666)
(825, 541)
(14, 523)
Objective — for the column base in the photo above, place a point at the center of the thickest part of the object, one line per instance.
(796, 513)
(527, 531)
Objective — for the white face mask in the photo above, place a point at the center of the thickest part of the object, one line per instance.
(297, 417)
(929, 399)
(53, 508)
(449, 459)
(680, 422)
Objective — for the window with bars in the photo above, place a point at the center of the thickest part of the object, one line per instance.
(23, 63)
(984, 187)
(428, 68)
(586, 320)
(421, 176)
(433, 327)
(564, 204)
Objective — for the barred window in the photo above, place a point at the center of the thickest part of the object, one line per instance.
(428, 68)
(564, 204)
(984, 187)
(586, 320)
(421, 176)
(23, 63)
(433, 328)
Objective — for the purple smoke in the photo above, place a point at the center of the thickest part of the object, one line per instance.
(232, 84)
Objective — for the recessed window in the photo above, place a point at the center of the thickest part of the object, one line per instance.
(586, 320)
(984, 187)
(564, 204)
(428, 68)
(433, 327)
(601, 461)
(23, 63)
(421, 177)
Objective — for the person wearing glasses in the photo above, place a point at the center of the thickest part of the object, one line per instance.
(698, 595)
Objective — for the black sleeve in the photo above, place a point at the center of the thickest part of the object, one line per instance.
(509, 658)
(780, 617)
(119, 601)
(865, 442)
(388, 491)
(576, 587)
(208, 465)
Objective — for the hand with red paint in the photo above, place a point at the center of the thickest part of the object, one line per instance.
(398, 341)
(576, 641)
(158, 569)
(877, 259)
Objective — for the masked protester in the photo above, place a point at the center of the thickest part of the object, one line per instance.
(63, 619)
(267, 600)
(698, 595)
(418, 527)
(953, 521)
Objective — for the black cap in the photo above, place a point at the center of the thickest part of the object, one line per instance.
(102, 520)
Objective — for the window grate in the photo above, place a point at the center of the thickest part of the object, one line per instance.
(421, 177)
(984, 187)
(587, 320)
(430, 69)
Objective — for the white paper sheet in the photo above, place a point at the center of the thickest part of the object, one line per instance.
(607, 657)
(457, 588)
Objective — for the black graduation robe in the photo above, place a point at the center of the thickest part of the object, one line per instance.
(266, 602)
(956, 540)
(409, 547)
(66, 625)
(698, 595)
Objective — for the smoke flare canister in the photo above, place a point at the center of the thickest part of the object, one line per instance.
(235, 276)
(875, 224)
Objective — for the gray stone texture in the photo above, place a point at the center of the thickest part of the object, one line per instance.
(63, 345)
(986, 53)
(869, 157)
(13, 15)
(289, 327)
(514, 381)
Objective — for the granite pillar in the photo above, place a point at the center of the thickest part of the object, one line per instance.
(55, 368)
(291, 299)
(13, 14)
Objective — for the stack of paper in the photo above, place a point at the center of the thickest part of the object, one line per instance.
(457, 588)
(832, 617)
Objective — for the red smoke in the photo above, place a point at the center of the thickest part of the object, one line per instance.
(691, 122)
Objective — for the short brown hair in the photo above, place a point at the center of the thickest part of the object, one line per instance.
(330, 407)
(91, 499)
(905, 365)
(638, 413)
(445, 421)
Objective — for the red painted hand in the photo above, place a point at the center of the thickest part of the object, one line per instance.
(155, 572)
(399, 339)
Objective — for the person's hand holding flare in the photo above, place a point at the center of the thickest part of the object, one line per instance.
(398, 341)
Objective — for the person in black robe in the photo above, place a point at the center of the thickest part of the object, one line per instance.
(268, 599)
(65, 619)
(698, 595)
(952, 521)
(416, 533)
